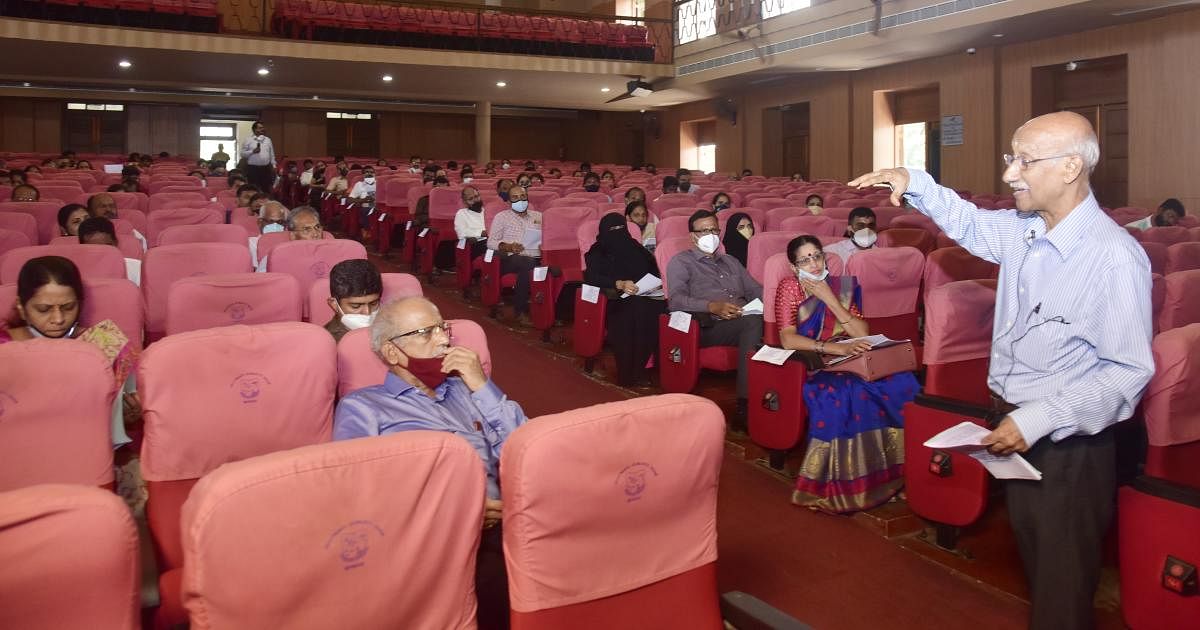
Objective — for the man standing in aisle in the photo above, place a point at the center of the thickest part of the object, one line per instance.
(1068, 361)
(259, 153)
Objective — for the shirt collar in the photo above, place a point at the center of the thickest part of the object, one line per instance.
(1068, 234)
(398, 387)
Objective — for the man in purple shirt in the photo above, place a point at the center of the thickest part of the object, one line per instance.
(434, 386)
(702, 280)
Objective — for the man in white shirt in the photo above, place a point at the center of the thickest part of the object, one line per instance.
(259, 153)
(272, 217)
(469, 222)
(307, 174)
(363, 194)
(100, 231)
(860, 235)
(1168, 214)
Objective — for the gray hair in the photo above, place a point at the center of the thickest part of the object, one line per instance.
(300, 211)
(385, 328)
(262, 210)
(1088, 150)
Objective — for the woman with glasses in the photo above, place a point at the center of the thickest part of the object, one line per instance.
(855, 454)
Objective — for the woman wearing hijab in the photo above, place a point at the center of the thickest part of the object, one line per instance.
(615, 264)
(738, 230)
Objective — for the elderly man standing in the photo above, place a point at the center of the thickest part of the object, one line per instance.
(517, 235)
(1069, 361)
(433, 386)
(259, 154)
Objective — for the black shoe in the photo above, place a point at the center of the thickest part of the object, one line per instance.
(739, 423)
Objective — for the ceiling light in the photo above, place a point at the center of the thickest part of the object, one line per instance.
(229, 94)
(387, 77)
(262, 72)
(316, 98)
(642, 111)
(124, 63)
(26, 84)
(501, 84)
(997, 35)
(132, 89)
(604, 89)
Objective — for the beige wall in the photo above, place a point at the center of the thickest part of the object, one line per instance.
(992, 91)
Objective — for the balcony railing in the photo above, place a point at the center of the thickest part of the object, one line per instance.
(697, 19)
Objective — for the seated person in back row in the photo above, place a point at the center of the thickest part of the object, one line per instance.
(860, 235)
(469, 222)
(1168, 214)
(517, 235)
(100, 231)
(355, 288)
(702, 280)
(303, 223)
(434, 386)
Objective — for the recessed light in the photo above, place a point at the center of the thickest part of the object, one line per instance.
(229, 94)
(132, 89)
(604, 89)
(316, 98)
(997, 35)
(641, 111)
(124, 63)
(387, 77)
(262, 72)
(501, 84)
(26, 84)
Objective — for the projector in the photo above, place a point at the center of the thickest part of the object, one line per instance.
(639, 88)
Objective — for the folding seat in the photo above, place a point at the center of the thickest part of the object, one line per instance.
(590, 325)
(45, 213)
(756, 193)
(248, 223)
(1158, 255)
(70, 558)
(762, 247)
(1171, 407)
(444, 204)
(768, 203)
(891, 280)
(160, 220)
(571, 202)
(63, 193)
(673, 200)
(958, 339)
(677, 212)
(916, 238)
(358, 507)
(671, 227)
(168, 263)
(950, 264)
(22, 223)
(560, 245)
(268, 242)
(1166, 235)
(310, 261)
(12, 239)
(915, 220)
(216, 300)
(1181, 306)
(680, 354)
(1182, 257)
(93, 261)
(539, 198)
(815, 225)
(251, 390)
(56, 399)
(201, 233)
(359, 367)
(657, 462)
(158, 201)
(395, 286)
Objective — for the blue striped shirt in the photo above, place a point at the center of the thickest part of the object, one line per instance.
(1072, 330)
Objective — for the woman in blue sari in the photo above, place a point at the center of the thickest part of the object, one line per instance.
(855, 454)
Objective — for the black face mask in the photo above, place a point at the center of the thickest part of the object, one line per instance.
(476, 207)
(684, 186)
(592, 187)
(504, 195)
(343, 171)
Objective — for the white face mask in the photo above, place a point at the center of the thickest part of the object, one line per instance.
(468, 180)
(865, 238)
(814, 277)
(708, 243)
(369, 180)
(271, 228)
(354, 321)
(37, 334)
(520, 206)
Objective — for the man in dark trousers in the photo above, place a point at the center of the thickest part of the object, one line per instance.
(259, 153)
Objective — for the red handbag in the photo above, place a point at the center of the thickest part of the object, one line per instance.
(879, 362)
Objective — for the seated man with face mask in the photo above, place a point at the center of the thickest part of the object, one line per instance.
(432, 385)
(517, 235)
(355, 287)
(363, 194)
(685, 182)
(860, 232)
(469, 221)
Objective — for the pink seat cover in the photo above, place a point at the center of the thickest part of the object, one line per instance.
(377, 532)
(890, 279)
(395, 286)
(93, 261)
(44, 213)
(761, 247)
(815, 225)
(166, 264)
(56, 398)
(12, 239)
(950, 264)
(20, 222)
(1182, 303)
(669, 228)
(159, 200)
(160, 220)
(310, 261)
(958, 321)
(268, 242)
(642, 476)
(70, 558)
(117, 299)
(64, 193)
(1171, 404)
(1183, 257)
(250, 390)
(359, 367)
(915, 221)
(1166, 235)
(228, 299)
(203, 233)
(560, 224)
(1158, 255)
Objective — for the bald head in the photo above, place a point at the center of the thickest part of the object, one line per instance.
(1052, 157)
(399, 317)
(1061, 133)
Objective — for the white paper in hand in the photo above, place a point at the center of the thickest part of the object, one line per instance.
(382, 216)
(681, 321)
(590, 293)
(539, 273)
(462, 243)
(488, 255)
(422, 233)
(408, 225)
(967, 437)
(753, 307)
(774, 356)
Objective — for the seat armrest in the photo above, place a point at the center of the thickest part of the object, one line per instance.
(747, 612)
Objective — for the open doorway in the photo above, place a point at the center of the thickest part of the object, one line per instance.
(790, 156)
(698, 145)
(224, 134)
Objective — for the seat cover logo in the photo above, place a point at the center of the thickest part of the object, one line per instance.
(237, 311)
(634, 479)
(319, 269)
(249, 386)
(352, 542)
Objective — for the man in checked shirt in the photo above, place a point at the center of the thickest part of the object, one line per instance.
(1070, 347)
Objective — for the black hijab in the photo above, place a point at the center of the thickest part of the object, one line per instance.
(616, 254)
(736, 245)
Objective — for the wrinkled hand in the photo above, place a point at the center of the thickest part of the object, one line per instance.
(897, 178)
(724, 310)
(465, 362)
(1006, 439)
(819, 290)
(847, 348)
(627, 286)
(493, 511)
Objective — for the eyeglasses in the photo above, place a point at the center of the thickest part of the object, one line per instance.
(310, 229)
(817, 257)
(1025, 162)
(426, 333)
(713, 231)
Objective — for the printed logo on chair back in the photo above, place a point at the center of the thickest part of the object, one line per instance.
(237, 311)
(352, 542)
(634, 478)
(319, 269)
(249, 386)
(6, 401)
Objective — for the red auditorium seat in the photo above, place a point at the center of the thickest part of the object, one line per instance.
(915, 220)
(310, 261)
(1166, 235)
(444, 203)
(160, 200)
(12, 239)
(560, 242)
(251, 390)
(354, 511)
(958, 339)
(758, 217)
(916, 238)
(671, 227)
(763, 246)
(131, 201)
(202, 233)
(1157, 253)
(44, 213)
(56, 400)
(168, 263)
(815, 225)
(673, 200)
(210, 301)
(359, 367)
(590, 325)
(268, 242)
(395, 287)
(21, 223)
(160, 220)
(1181, 306)
(1182, 257)
(951, 264)
(70, 558)
(891, 279)
(93, 261)
(1171, 407)
(63, 193)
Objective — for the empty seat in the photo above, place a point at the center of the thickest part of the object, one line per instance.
(1181, 306)
(201, 233)
(763, 246)
(917, 238)
(1171, 407)
(891, 279)
(1166, 235)
(952, 264)
(395, 286)
(958, 339)
(70, 558)
(1182, 257)
(22, 223)
(93, 261)
(310, 261)
(808, 224)
(12, 239)
(340, 520)
(210, 301)
(1157, 523)
(161, 220)
(168, 263)
(1158, 255)
(44, 213)
(56, 401)
(359, 367)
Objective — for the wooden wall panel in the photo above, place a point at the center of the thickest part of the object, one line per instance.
(515, 138)
(156, 128)
(47, 126)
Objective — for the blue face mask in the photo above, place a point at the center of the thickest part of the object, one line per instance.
(271, 228)
(520, 206)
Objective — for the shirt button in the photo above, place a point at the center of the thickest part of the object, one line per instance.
(1010, 323)
(995, 355)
